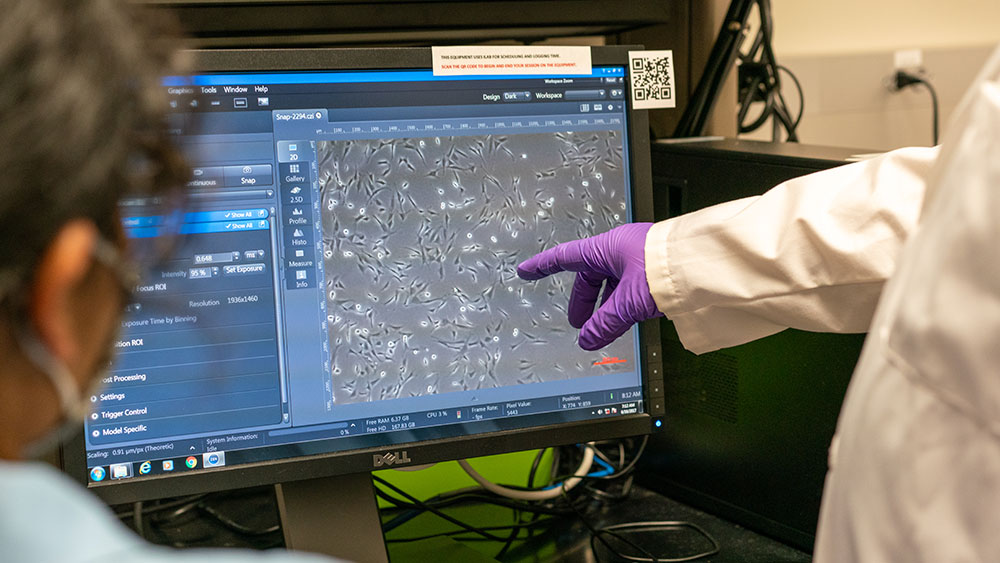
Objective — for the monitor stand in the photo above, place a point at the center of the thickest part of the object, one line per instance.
(336, 516)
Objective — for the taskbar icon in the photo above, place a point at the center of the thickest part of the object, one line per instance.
(214, 459)
(97, 474)
(121, 471)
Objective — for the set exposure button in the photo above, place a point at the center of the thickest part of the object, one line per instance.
(249, 175)
(244, 269)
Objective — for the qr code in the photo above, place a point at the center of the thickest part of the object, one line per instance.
(652, 78)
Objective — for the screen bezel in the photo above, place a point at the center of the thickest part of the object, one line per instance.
(73, 452)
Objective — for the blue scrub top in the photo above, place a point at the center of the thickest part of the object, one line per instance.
(46, 517)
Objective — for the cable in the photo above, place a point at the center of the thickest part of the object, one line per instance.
(720, 60)
(760, 82)
(514, 533)
(158, 521)
(591, 448)
(802, 97)
(415, 501)
(595, 533)
(147, 510)
(527, 526)
(479, 495)
(599, 494)
(236, 526)
(425, 506)
(903, 79)
(536, 508)
(534, 466)
(542, 494)
(608, 469)
(934, 108)
(602, 456)
(175, 512)
(653, 526)
(630, 466)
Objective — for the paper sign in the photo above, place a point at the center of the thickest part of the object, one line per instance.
(506, 59)
(652, 79)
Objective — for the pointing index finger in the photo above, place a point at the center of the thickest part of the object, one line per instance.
(568, 256)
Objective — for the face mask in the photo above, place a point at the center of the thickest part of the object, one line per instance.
(74, 403)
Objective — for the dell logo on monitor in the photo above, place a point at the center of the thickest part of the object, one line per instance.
(391, 458)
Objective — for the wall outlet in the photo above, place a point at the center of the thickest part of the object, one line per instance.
(908, 59)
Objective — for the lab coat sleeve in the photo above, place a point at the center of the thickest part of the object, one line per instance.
(812, 253)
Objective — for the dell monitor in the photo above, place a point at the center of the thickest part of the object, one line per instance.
(343, 295)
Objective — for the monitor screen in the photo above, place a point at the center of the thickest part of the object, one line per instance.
(345, 281)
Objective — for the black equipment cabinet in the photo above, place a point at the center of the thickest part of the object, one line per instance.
(747, 429)
(290, 23)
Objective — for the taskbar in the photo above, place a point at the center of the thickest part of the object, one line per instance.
(128, 470)
(260, 446)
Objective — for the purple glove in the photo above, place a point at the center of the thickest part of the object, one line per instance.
(617, 257)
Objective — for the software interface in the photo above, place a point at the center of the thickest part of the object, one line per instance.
(346, 278)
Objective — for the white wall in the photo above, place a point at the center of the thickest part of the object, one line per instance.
(842, 52)
(823, 27)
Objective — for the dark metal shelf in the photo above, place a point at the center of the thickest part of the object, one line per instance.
(258, 23)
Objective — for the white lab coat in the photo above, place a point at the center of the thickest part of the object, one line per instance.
(915, 466)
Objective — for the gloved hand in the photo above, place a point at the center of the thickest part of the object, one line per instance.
(615, 259)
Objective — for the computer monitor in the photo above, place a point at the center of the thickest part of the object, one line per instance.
(344, 296)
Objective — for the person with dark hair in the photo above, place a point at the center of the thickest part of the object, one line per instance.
(82, 126)
(903, 246)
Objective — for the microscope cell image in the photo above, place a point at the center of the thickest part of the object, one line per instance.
(421, 239)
